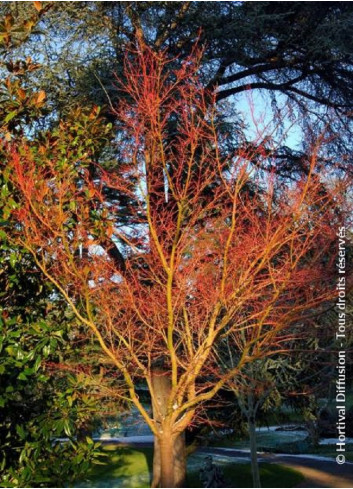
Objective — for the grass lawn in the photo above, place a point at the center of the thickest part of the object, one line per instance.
(124, 467)
(239, 475)
(131, 467)
(295, 447)
(329, 451)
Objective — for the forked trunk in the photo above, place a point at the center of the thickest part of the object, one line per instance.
(253, 452)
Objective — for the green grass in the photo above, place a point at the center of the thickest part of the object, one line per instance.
(329, 451)
(125, 464)
(131, 467)
(239, 475)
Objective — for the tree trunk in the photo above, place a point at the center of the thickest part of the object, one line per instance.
(167, 460)
(313, 430)
(156, 475)
(162, 386)
(253, 452)
(179, 460)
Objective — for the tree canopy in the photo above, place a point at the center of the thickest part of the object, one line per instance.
(300, 49)
(200, 220)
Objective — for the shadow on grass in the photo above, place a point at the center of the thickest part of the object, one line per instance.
(239, 475)
(132, 467)
(123, 467)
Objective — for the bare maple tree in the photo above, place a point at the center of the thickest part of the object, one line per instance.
(212, 246)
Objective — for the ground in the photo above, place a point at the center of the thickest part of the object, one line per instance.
(285, 460)
(316, 471)
(131, 467)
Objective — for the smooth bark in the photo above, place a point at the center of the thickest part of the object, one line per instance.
(167, 460)
(253, 452)
(179, 460)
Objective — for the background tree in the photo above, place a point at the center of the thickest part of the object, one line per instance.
(293, 52)
(258, 388)
(260, 253)
(314, 388)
